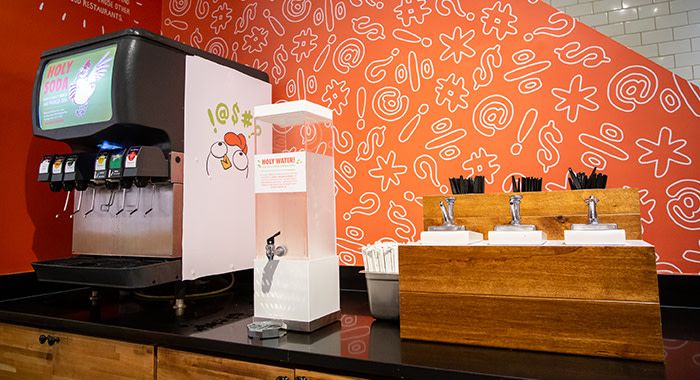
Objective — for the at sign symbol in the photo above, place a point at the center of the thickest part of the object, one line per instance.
(603, 146)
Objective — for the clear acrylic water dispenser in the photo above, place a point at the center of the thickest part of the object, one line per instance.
(296, 267)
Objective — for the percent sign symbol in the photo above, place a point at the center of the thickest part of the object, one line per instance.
(302, 85)
(330, 13)
(526, 72)
(413, 71)
(602, 146)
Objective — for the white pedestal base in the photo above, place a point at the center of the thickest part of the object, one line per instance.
(606, 237)
(517, 237)
(304, 293)
(450, 237)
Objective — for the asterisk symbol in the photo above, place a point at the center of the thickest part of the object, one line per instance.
(574, 98)
(663, 152)
(457, 45)
(387, 170)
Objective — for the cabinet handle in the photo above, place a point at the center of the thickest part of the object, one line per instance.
(282, 378)
(42, 339)
(51, 340)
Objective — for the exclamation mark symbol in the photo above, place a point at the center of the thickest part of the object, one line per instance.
(211, 119)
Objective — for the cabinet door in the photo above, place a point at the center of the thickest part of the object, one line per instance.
(22, 356)
(302, 374)
(174, 364)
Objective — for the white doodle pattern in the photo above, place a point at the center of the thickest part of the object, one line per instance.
(490, 59)
(548, 155)
(574, 98)
(425, 167)
(348, 55)
(493, 113)
(669, 100)
(370, 203)
(410, 128)
(375, 139)
(405, 229)
(560, 25)
(632, 86)
(372, 30)
(591, 56)
(414, 72)
(605, 145)
(500, 20)
(683, 206)
(389, 104)
(451, 90)
(526, 126)
(378, 59)
(663, 152)
(387, 171)
(457, 45)
(482, 163)
(526, 74)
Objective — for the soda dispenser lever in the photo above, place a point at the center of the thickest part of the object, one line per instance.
(138, 202)
(65, 204)
(92, 203)
(153, 196)
(121, 209)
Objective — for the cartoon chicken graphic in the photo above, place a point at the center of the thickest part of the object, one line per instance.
(82, 88)
(236, 144)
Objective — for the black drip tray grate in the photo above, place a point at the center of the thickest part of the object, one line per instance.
(110, 271)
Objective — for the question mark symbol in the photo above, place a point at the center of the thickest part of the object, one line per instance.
(369, 205)
(560, 25)
(426, 167)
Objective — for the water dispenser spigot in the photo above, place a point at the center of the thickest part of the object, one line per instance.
(271, 251)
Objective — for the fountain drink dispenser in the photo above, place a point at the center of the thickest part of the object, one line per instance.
(296, 268)
(161, 136)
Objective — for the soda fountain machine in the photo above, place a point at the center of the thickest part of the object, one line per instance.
(161, 137)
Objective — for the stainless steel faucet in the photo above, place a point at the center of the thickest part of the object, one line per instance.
(515, 220)
(271, 251)
(593, 223)
(448, 217)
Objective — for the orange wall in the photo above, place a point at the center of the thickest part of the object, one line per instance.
(28, 229)
(425, 90)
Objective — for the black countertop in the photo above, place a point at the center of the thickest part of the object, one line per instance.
(358, 345)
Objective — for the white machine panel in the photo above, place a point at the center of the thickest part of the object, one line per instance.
(219, 200)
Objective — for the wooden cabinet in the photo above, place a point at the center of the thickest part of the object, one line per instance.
(174, 364)
(23, 356)
(302, 374)
(63, 356)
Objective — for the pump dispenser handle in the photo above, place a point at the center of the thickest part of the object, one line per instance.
(271, 239)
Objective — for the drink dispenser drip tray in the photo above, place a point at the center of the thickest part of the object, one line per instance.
(110, 271)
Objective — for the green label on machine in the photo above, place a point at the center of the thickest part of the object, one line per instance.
(77, 89)
(115, 162)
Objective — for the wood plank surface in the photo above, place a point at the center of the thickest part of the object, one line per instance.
(597, 273)
(73, 357)
(599, 328)
(21, 355)
(552, 212)
(303, 374)
(173, 364)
